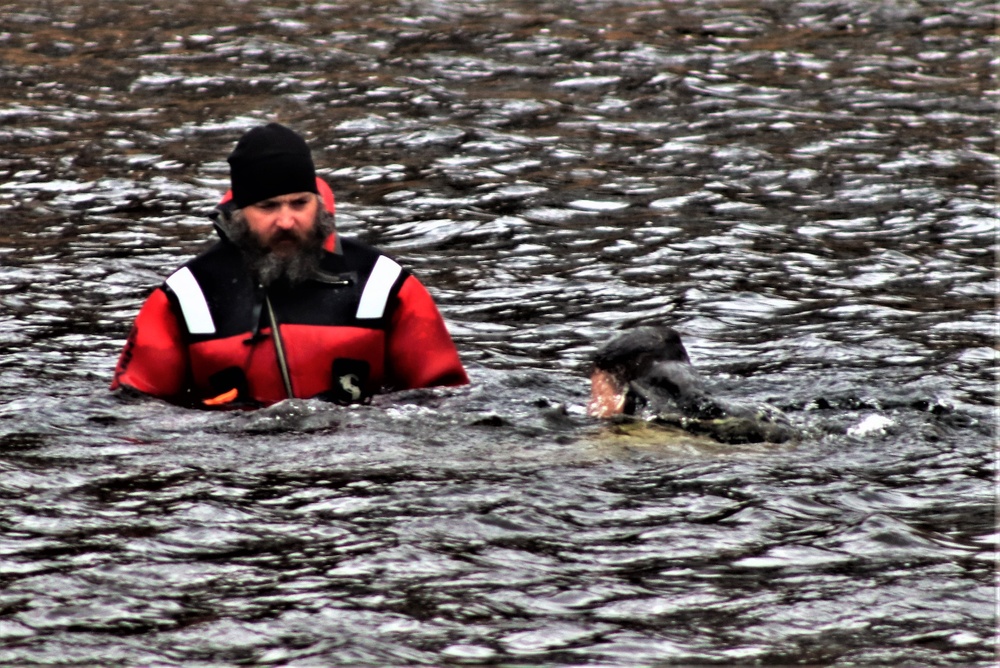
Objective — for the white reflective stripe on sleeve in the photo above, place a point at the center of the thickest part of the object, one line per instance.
(192, 300)
(376, 293)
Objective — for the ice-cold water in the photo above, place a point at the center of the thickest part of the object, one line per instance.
(804, 189)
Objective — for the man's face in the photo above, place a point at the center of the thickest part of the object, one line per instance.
(283, 225)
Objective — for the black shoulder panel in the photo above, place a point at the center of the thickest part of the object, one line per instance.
(331, 299)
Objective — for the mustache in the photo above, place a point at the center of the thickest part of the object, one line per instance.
(286, 235)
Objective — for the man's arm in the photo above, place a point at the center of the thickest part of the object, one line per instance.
(154, 360)
(420, 352)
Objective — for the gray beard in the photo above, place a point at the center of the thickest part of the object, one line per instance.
(268, 268)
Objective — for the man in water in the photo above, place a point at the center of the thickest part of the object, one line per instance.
(282, 306)
(647, 371)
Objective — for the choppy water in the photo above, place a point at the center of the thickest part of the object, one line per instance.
(806, 190)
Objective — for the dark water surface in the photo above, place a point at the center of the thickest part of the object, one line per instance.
(806, 190)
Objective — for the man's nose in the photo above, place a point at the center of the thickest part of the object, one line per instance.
(286, 217)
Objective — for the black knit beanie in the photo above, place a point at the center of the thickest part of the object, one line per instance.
(268, 161)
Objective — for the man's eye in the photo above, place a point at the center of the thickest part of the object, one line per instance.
(300, 203)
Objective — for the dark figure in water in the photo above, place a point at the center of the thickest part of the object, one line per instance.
(647, 371)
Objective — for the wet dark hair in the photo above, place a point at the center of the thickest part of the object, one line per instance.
(634, 353)
(654, 365)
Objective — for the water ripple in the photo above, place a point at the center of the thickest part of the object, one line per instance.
(805, 190)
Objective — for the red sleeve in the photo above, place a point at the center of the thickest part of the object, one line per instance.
(154, 360)
(420, 352)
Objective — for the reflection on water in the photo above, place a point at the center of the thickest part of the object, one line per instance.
(805, 190)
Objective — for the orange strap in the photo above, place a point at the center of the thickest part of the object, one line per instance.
(223, 398)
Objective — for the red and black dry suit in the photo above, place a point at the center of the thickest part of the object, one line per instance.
(364, 325)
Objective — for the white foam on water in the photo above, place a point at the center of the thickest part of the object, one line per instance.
(872, 424)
